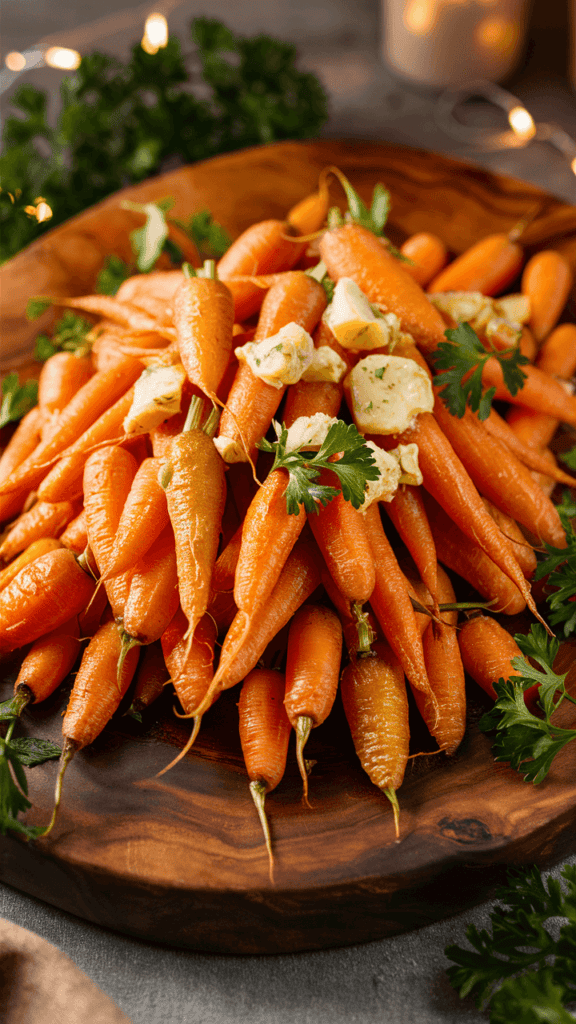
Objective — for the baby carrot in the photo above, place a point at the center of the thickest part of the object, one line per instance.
(43, 520)
(408, 513)
(487, 650)
(222, 607)
(428, 256)
(162, 284)
(44, 594)
(539, 392)
(557, 356)
(204, 318)
(153, 596)
(446, 675)
(264, 248)
(523, 551)
(75, 536)
(309, 214)
(123, 313)
(312, 671)
(108, 477)
(143, 518)
(547, 280)
(62, 375)
(32, 552)
(376, 707)
(22, 443)
(507, 436)
(48, 662)
(264, 734)
(489, 266)
(151, 678)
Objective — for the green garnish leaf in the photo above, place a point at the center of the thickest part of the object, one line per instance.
(113, 273)
(210, 238)
(70, 335)
(524, 970)
(459, 363)
(559, 565)
(13, 785)
(356, 466)
(35, 307)
(43, 348)
(16, 400)
(374, 218)
(10, 709)
(529, 742)
(32, 751)
(569, 458)
(380, 208)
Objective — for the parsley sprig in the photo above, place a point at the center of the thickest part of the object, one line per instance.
(525, 973)
(353, 469)
(528, 742)
(559, 565)
(17, 400)
(14, 755)
(459, 362)
(70, 335)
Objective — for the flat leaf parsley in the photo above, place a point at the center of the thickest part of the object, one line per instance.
(355, 467)
(459, 363)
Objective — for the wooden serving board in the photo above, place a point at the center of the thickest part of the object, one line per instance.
(181, 859)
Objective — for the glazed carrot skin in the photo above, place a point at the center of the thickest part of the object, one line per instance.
(144, 517)
(162, 284)
(43, 520)
(428, 254)
(523, 551)
(531, 457)
(191, 673)
(108, 477)
(408, 513)
(97, 693)
(261, 249)
(313, 664)
(264, 727)
(75, 536)
(489, 266)
(45, 593)
(49, 661)
(268, 535)
(22, 443)
(446, 675)
(309, 214)
(252, 403)
(459, 553)
(547, 280)
(500, 476)
(204, 318)
(392, 606)
(539, 392)
(62, 375)
(557, 357)
(32, 552)
(376, 707)
(487, 650)
(222, 607)
(123, 313)
(353, 251)
(97, 395)
(153, 598)
(151, 678)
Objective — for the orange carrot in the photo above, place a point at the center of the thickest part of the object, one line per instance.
(547, 280)
(264, 248)
(500, 476)
(22, 443)
(108, 476)
(32, 552)
(204, 318)
(43, 520)
(143, 518)
(376, 706)
(462, 555)
(489, 266)
(503, 432)
(539, 392)
(312, 671)
(44, 594)
(75, 536)
(341, 534)
(264, 734)
(151, 678)
(428, 255)
(557, 357)
(446, 675)
(269, 529)
(408, 513)
(122, 313)
(252, 403)
(62, 375)
(523, 551)
(153, 596)
(162, 284)
(353, 251)
(309, 214)
(48, 662)
(222, 607)
(487, 650)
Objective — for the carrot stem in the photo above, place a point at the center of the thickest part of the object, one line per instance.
(258, 791)
(365, 631)
(127, 643)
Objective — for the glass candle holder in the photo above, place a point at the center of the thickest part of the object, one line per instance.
(442, 43)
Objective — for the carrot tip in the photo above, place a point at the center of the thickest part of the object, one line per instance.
(258, 791)
(68, 751)
(303, 728)
(391, 794)
(186, 748)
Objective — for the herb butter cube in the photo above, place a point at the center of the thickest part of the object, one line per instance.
(157, 396)
(385, 487)
(229, 449)
(309, 431)
(281, 359)
(354, 322)
(407, 455)
(460, 307)
(514, 308)
(326, 365)
(385, 393)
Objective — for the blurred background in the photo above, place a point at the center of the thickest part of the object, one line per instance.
(411, 72)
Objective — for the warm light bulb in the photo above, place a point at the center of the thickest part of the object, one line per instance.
(43, 212)
(155, 33)
(497, 34)
(15, 61)
(61, 57)
(419, 17)
(573, 165)
(522, 122)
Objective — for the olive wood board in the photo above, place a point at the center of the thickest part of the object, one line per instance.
(181, 859)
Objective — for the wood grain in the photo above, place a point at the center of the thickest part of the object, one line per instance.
(181, 859)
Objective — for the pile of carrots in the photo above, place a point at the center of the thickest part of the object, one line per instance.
(149, 558)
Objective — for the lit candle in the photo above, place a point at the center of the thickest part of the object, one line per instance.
(447, 42)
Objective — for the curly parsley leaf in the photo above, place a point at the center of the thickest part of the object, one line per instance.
(70, 335)
(355, 467)
(569, 458)
(459, 363)
(520, 968)
(211, 239)
(112, 275)
(17, 400)
(36, 307)
(526, 741)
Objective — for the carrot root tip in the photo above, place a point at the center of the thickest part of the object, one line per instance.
(303, 728)
(68, 751)
(258, 791)
(186, 748)
(391, 794)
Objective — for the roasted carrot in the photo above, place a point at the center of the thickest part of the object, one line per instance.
(204, 318)
(153, 596)
(75, 536)
(446, 675)
(465, 557)
(32, 552)
(143, 518)
(264, 734)
(44, 594)
(62, 375)
(43, 520)
(151, 678)
(353, 251)
(428, 256)
(309, 214)
(487, 650)
(523, 551)
(22, 443)
(222, 607)
(408, 513)
(47, 663)
(119, 312)
(162, 284)
(539, 392)
(532, 458)
(376, 706)
(489, 266)
(547, 280)
(510, 487)
(196, 493)
(264, 248)
(252, 403)
(312, 671)
(557, 356)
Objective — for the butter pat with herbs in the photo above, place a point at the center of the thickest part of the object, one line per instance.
(385, 393)
(309, 431)
(157, 396)
(281, 359)
(326, 366)
(355, 323)
(398, 466)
